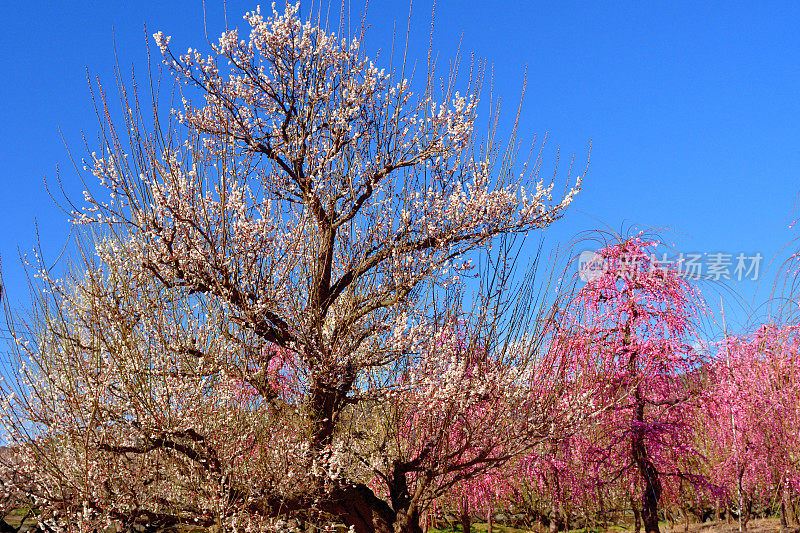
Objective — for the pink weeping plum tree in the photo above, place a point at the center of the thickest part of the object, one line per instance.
(753, 417)
(266, 324)
(632, 326)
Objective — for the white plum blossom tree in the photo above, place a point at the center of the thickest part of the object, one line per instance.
(268, 304)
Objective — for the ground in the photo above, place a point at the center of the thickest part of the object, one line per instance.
(766, 525)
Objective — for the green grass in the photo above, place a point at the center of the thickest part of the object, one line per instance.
(480, 527)
(13, 518)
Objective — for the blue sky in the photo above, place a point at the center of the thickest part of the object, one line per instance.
(692, 108)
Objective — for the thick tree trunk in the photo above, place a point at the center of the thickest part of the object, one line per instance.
(542, 522)
(358, 507)
(353, 504)
(466, 523)
(651, 496)
(407, 522)
(406, 512)
(490, 521)
(652, 484)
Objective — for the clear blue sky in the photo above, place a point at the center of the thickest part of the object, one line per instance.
(692, 108)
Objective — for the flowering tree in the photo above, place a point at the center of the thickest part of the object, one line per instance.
(257, 275)
(631, 326)
(458, 439)
(753, 418)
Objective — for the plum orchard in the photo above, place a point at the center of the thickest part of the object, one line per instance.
(753, 419)
(266, 327)
(266, 293)
(701, 431)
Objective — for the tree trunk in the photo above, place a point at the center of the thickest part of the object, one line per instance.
(601, 515)
(358, 507)
(406, 512)
(685, 519)
(407, 522)
(670, 520)
(556, 503)
(745, 512)
(652, 484)
(637, 517)
(786, 508)
(647, 471)
(466, 523)
(784, 523)
(353, 504)
(740, 495)
(490, 520)
(651, 496)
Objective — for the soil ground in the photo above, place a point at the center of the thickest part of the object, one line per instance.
(765, 525)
